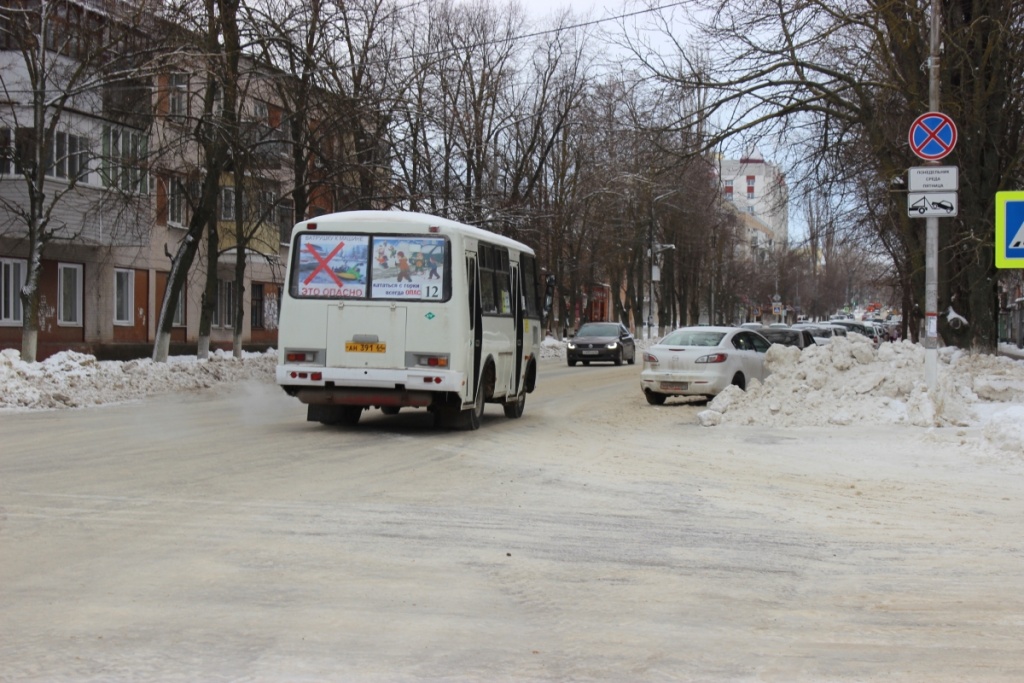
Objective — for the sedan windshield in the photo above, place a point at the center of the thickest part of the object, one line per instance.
(785, 337)
(693, 338)
(599, 330)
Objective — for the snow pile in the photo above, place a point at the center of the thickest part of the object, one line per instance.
(73, 380)
(849, 382)
(552, 348)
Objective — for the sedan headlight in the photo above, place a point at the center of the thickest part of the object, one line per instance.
(712, 358)
(570, 345)
(613, 345)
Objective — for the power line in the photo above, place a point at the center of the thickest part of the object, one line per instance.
(537, 34)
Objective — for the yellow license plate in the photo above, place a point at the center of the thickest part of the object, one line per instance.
(365, 347)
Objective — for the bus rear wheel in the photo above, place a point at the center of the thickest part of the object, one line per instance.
(334, 415)
(470, 419)
(514, 408)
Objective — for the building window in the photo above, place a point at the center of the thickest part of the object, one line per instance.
(6, 151)
(69, 299)
(175, 203)
(179, 310)
(227, 204)
(224, 309)
(750, 186)
(257, 306)
(177, 95)
(285, 220)
(68, 157)
(124, 296)
(124, 159)
(12, 279)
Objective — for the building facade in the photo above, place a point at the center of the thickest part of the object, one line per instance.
(108, 180)
(757, 190)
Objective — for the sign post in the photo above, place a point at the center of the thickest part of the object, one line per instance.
(932, 137)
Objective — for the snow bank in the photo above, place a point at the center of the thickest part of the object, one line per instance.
(73, 380)
(848, 382)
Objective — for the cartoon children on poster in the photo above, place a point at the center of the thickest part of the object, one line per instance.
(412, 268)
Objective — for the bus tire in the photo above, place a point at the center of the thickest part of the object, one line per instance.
(335, 415)
(514, 408)
(390, 410)
(349, 416)
(470, 419)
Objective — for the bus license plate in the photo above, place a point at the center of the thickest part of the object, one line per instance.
(365, 347)
(674, 386)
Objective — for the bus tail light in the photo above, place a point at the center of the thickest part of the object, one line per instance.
(429, 360)
(303, 356)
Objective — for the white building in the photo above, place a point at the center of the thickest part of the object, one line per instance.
(757, 189)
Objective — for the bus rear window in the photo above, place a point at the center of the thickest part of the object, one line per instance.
(351, 266)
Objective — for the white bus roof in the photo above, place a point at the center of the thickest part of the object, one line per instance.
(383, 221)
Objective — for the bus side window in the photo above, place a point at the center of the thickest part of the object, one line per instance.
(487, 295)
(531, 290)
(502, 282)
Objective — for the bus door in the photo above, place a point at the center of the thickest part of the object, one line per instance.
(366, 335)
(476, 324)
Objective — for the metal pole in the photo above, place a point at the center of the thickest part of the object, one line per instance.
(650, 273)
(931, 254)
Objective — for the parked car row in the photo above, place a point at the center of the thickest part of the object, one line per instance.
(702, 361)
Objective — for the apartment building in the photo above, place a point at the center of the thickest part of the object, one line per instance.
(114, 198)
(757, 190)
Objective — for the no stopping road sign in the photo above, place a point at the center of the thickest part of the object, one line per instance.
(932, 136)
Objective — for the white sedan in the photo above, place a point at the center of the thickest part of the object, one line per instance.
(702, 361)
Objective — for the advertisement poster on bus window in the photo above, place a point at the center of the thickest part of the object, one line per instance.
(408, 268)
(333, 265)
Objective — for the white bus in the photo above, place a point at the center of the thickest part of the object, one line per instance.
(388, 309)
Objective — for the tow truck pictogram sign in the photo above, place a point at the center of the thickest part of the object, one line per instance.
(1009, 240)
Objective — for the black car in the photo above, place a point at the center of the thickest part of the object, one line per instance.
(601, 342)
(788, 336)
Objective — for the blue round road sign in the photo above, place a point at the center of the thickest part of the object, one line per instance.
(932, 136)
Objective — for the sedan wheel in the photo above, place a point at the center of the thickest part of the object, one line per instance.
(618, 358)
(654, 398)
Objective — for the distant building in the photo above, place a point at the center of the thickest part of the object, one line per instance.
(757, 189)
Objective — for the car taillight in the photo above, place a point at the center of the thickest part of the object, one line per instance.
(650, 358)
(713, 358)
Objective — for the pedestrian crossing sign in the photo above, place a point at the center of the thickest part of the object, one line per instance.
(1009, 230)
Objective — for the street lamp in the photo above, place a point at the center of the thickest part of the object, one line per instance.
(654, 250)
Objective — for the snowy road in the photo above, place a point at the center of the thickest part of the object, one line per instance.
(219, 536)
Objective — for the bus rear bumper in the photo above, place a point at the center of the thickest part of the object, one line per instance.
(368, 387)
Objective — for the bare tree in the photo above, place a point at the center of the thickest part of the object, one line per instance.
(214, 38)
(840, 84)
